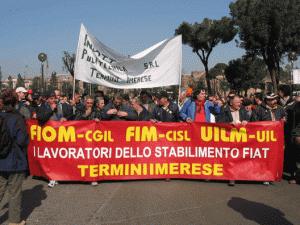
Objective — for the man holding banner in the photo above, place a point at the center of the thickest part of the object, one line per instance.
(114, 150)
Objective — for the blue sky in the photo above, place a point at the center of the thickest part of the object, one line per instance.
(30, 27)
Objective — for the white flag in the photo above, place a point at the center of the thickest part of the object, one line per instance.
(296, 76)
(159, 65)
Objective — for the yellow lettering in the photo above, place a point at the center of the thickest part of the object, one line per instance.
(66, 135)
(104, 169)
(94, 170)
(207, 169)
(33, 131)
(238, 136)
(185, 168)
(117, 170)
(149, 134)
(129, 133)
(223, 135)
(196, 169)
(136, 169)
(87, 136)
(161, 169)
(206, 133)
(218, 170)
(173, 167)
(51, 131)
(82, 169)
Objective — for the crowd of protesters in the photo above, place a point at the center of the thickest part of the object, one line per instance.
(192, 106)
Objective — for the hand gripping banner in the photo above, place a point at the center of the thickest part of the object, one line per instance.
(114, 150)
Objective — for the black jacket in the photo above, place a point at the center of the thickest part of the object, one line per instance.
(263, 113)
(226, 117)
(293, 119)
(144, 115)
(16, 160)
(131, 114)
(45, 113)
(171, 114)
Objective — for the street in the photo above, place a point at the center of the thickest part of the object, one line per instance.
(159, 202)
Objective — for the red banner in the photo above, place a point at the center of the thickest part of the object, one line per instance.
(114, 150)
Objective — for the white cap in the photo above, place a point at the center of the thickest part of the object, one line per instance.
(21, 89)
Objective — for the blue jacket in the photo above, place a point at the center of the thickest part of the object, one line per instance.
(189, 110)
(16, 161)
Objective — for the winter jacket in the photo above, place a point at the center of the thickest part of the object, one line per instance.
(189, 110)
(16, 161)
(144, 115)
(171, 114)
(263, 113)
(131, 114)
(226, 117)
(45, 113)
(23, 109)
(293, 119)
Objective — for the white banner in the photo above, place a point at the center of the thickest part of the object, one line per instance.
(296, 76)
(159, 65)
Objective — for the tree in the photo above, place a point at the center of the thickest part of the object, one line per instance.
(219, 83)
(269, 29)
(245, 73)
(10, 82)
(53, 82)
(67, 88)
(218, 69)
(35, 86)
(20, 81)
(204, 36)
(69, 61)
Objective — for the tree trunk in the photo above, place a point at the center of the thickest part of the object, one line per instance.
(207, 79)
(274, 79)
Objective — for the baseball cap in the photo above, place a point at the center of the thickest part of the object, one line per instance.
(21, 89)
(271, 96)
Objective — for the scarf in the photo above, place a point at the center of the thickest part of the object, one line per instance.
(199, 105)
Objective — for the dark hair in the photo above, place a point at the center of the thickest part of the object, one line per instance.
(247, 102)
(286, 89)
(259, 96)
(125, 97)
(197, 92)
(146, 93)
(118, 96)
(99, 93)
(9, 97)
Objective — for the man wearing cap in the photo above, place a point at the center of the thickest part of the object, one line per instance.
(21, 105)
(165, 111)
(269, 110)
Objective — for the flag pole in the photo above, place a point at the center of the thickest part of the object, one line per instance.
(74, 83)
(180, 71)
